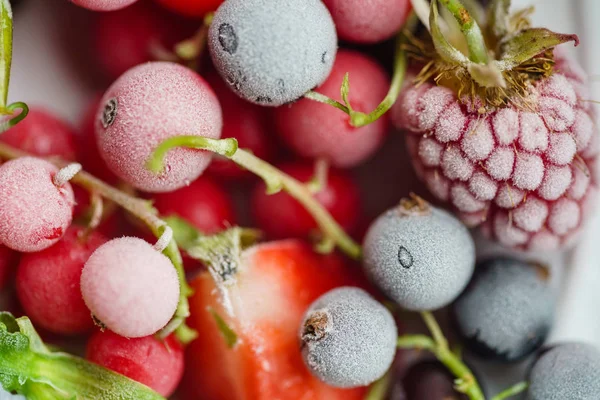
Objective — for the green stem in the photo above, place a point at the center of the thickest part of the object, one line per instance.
(467, 383)
(378, 390)
(511, 391)
(143, 210)
(470, 28)
(321, 98)
(10, 110)
(421, 342)
(275, 180)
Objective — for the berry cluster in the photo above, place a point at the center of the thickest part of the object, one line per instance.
(121, 234)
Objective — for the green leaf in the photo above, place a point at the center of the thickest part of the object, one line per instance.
(6, 38)
(529, 43)
(27, 367)
(446, 51)
(229, 335)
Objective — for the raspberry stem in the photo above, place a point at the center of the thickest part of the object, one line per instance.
(275, 180)
(145, 212)
(475, 42)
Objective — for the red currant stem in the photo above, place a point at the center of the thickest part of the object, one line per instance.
(10, 110)
(378, 389)
(275, 180)
(321, 98)
(478, 52)
(192, 48)
(97, 206)
(164, 239)
(65, 174)
(512, 391)
(320, 177)
(143, 210)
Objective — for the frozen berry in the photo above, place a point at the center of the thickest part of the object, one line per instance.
(191, 8)
(130, 287)
(147, 360)
(135, 35)
(367, 21)
(48, 283)
(527, 177)
(35, 211)
(204, 204)
(248, 123)
(103, 5)
(430, 380)
(569, 371)
(281, 216)
(272, 52)
(145, 106)
(314, 129)
(348, 338)
(43, 134)
(8, 262)
(418, 255)
(506, 312)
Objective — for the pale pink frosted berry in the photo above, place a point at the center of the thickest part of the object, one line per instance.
(145, 106)
(35, 210)
(130, 287)
(103, 5)
(526, 177)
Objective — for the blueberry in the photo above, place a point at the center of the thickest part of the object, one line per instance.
(506, 312)
(569, 371)
(418, 255)
(271, 52)
(348, 338)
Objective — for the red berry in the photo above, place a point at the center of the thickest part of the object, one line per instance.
(48, 283)
(191, 8)
(43, 134)
(8, 261)
(247, 122)
(315, 130)
(367, 21)
(34, 211)
(203, 203)
(528, 178)
(134, 35)
(281, 216)
(158, 365)
(145, 106)
(103, 5)
(269, 294)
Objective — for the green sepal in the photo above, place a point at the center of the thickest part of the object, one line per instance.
(445, 50)
(529, 43)
(184, 233)
(29, 368)
(6, 42)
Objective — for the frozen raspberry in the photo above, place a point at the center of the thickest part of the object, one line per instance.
(527, 176)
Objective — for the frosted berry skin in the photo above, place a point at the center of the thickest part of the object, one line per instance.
(43, 134)
(148, 360)
(507, 310)
(272, 52)
(130, 287)
(316, 130)
(103, 5)
(348, 338)
(422, 261)
(569, 371)
(281, 216)
(145, 106)
(47, 283)
(34, 212)
(528, 178)
(362, 21)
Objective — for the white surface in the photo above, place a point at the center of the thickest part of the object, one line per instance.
(45, 73)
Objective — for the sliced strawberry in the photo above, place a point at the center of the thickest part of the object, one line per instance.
(273, 287)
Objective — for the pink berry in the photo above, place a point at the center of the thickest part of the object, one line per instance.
(280, 216)
(130, 287)
(8, 262)
(34, 212)
(43, 134)
(48, 283)
(103, 5)
(135, 35)
(524, 176)
(314, 129)
(244, 121)
(158, 365)
(204, 204)
(367, 21)
(145, 106)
